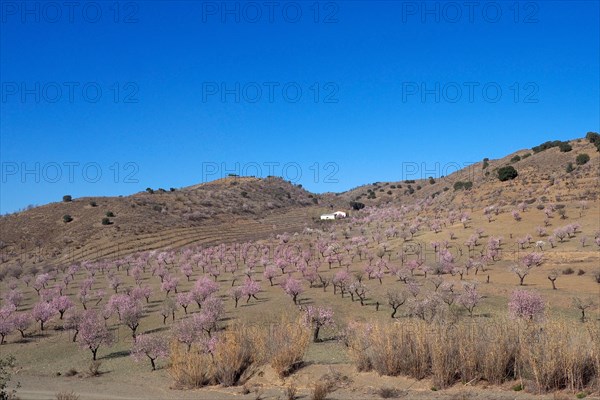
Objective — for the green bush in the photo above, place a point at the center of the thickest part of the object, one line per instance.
(110, 214)
(507, 173)
(106, 221)
(565, 147)
(431, 180)
(515, 158)
(486, 163)
(526, 155)
(67, 198)
(93, 204)
(67, 218)
(463, 185)
(582, 159)
(150, 190)
(356, 205)
(594, 138)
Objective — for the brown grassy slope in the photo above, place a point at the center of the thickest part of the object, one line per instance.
(536, 173)
(226, 207)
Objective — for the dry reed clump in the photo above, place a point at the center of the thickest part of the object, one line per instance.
(286, 345)
(552, 355)
(238, 352)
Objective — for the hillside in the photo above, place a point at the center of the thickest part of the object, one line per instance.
(542, 175)
(246, 208)
(234, 207)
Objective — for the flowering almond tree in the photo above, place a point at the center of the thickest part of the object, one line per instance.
(293, 288)
(526, 305)
(43, 312)
(150, 346)
(93, 333)
(317, 318)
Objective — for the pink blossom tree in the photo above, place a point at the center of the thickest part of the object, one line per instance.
(184, 300)
(62, 304)
(43, 312)
(470, 298)
(203, 288)
(22, 321)
(293, 288)
(250, 288)
(93, 333)
(73, 320)
(151, 347)
(236, 293)
(6, 327)
(269, 273)
(526, 305)
(396, 299)
(317, 318)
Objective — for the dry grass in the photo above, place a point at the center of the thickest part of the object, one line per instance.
(67, 396)
(238, 352)
(553, 356)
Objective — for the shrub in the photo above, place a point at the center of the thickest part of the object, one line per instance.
(321, 390)
(463, 185)
(357, 205)
(594, 138)
(515, 158)
(110, 214)
(565, 147)
(431, 180)
(568, 271)
(486, 163)
(582, 159)
(569, 168)
(150, 190)
(94, 368)
(93, 204)
(507, 173)
(389, 393)
(67, 218)
(67, 198)
(106, 221)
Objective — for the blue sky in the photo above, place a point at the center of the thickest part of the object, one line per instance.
(108, 98)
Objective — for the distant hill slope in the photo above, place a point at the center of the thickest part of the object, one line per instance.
(152, 220)
(244, 208)
(542, 174)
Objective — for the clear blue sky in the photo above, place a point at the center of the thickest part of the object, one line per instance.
(382, 84)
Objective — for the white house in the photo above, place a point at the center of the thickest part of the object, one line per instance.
(328, 216)
(335, 215)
